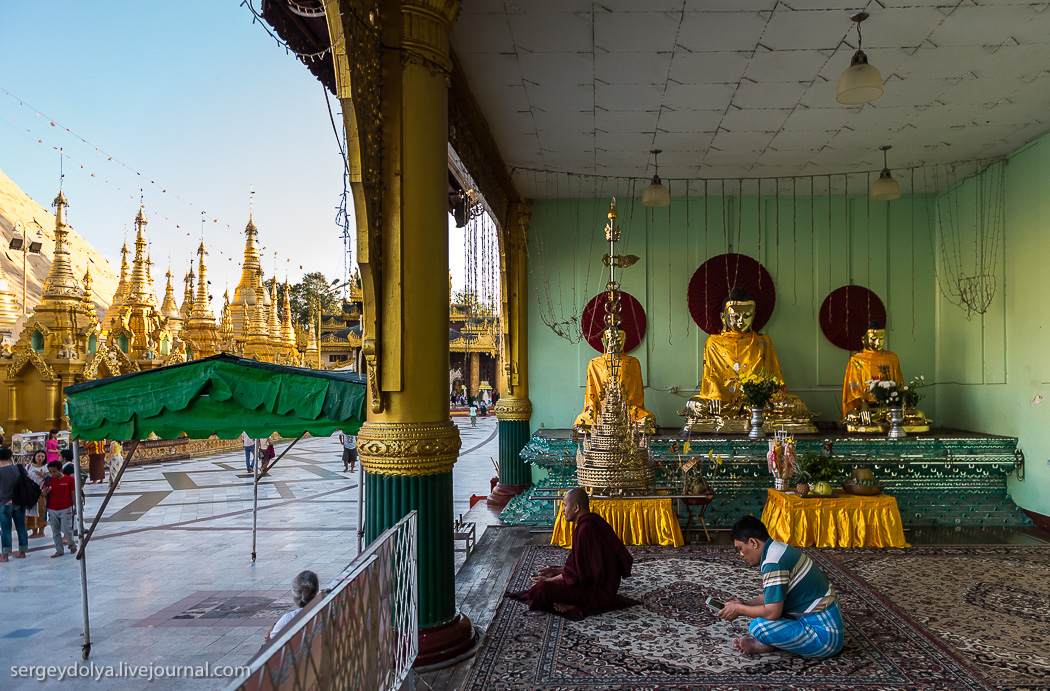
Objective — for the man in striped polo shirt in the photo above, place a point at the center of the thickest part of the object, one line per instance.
(797, 610)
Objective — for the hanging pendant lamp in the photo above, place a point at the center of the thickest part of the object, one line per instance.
(885, 189)
(860, 83)
(656, 194)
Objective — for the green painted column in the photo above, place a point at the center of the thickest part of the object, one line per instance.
(515, 475)
(388, 498)
(513, 436)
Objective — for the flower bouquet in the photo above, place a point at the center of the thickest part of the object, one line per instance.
(781, 459)
(911, 393)
(758, 389)
(886, 392)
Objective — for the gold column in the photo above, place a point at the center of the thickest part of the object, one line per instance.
(54, 416)
(395, 103)
(514, 408)
(13, 418)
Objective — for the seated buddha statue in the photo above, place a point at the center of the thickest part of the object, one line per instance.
(728, 357)
(630, 381)
(873, 363)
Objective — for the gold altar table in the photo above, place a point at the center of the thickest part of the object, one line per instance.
(843, 521)
(636, 521)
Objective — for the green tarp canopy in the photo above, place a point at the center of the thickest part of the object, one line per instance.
(221, 395)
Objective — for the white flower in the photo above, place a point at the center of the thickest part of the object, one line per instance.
(887, 384)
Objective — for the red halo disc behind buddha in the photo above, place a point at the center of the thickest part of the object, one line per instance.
(712, 282)
(846, 313)
(632, 321)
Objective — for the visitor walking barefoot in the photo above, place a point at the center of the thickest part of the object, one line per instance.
(114, 460)
(51, 446)
(9, 511)
(60, 491)
(36, 518)
(96, 454)
(349, 442)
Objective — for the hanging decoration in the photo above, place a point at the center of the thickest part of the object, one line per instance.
(970, 231)
(712, 282)
(846, 313)
(632, 321)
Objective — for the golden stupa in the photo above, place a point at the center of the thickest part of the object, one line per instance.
(614, 455)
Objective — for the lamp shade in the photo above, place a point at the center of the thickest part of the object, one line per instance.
(860, 83)
(885, 189)
(656, 194)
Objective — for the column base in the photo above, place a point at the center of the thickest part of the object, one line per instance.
(502, 494)
(445, 641)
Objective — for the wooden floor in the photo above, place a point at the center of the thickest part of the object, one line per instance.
(480, 585)
(483, 579)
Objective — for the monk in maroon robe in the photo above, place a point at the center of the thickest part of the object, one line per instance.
(592, 572)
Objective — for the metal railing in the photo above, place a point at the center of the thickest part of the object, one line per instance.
(361, 632)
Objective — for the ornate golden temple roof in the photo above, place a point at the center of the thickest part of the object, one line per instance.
(55, 338)
(121, 294)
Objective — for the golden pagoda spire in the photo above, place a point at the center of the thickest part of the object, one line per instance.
(89, 297)
(200, 331)
(202, 303)
(120, 296)
(312, 346)
(152, 291)
(187, 296)
(287, 330)
(169, 309)
(247, 290)
(61, 285)
(225, 323)
(138, 289)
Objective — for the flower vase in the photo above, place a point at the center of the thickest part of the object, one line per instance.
(896, 424)
(756, 424)
(780, 484)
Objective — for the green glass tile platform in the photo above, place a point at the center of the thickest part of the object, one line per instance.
(940, 478)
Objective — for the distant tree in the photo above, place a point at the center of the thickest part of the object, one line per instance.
(315, 289)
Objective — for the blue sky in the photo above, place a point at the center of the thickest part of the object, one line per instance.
(194, 99)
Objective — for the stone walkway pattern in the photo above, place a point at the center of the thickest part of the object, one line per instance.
(171, 581)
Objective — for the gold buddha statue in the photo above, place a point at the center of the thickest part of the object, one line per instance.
(630, 381)
(728, 357)
(874, 363)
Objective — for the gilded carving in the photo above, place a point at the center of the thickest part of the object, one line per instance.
(26, 356)
(370, 351)
(513, 409)
(408, 448)
(425, 28)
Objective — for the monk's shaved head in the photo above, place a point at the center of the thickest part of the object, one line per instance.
(577, 496)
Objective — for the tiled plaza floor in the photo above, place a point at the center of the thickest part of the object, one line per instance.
(171, 581)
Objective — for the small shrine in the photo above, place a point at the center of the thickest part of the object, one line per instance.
(614, 455)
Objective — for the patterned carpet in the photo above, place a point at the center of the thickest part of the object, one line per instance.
(673, 641)
(989, 604)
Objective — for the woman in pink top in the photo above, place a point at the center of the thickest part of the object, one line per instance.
(51, 446)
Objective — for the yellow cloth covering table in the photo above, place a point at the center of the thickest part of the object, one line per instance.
(636, 521)
(843, 521)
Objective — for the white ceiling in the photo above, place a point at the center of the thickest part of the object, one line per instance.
(746, 88)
